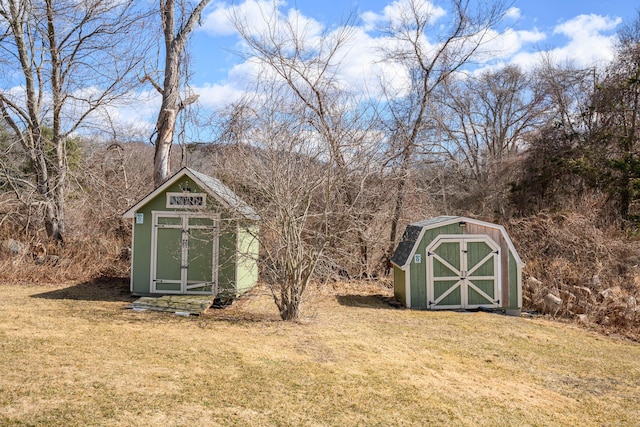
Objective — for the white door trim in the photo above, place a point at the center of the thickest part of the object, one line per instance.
(463, 281)
(184, 226)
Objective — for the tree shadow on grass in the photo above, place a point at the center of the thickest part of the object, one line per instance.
(378, 301)
(103, 288)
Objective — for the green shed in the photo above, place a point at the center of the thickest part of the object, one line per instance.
(193, 235)
(453, 262)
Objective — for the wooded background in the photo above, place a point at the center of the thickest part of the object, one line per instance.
(336, 174)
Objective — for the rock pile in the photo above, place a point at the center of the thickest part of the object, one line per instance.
(179, 304)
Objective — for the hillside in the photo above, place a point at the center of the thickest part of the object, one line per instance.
(73, 355)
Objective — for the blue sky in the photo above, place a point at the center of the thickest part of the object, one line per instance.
(579, 31)
(582, 32)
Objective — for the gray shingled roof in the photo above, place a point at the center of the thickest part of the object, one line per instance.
(433, 221)
(214, 186)
(412, 233)
(211, 185)
(410, 238)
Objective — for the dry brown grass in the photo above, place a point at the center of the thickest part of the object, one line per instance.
(73, 355)
(79, 259)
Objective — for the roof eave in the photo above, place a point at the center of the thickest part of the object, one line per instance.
(401, 267)
(459, 219)
(130, 213)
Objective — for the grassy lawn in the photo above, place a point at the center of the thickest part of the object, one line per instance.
(75, 356)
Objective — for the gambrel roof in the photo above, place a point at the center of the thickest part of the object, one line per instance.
(413, 235)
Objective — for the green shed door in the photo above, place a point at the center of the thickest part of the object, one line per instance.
(184, 254)
(167, 274)
(463, 273)
(201, 255)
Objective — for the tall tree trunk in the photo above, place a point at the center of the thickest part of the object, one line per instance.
(164, 142)
(168, 115)
(399, 205)
(170, 90)
(54, 222)
(56, 46)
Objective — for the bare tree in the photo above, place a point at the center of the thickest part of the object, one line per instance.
(178, 20)
(285, 176)
(64, 61)
(317, 153)
(309, 66)
(557, 167)
(430, 52)
(485, 122)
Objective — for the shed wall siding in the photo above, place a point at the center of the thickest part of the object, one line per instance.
(505, 277)
(247, 258)
(418, 272)
(513, 282)
(141, 273)
(227, 259)
(399, 285)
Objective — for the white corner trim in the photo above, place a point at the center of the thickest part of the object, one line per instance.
(133, 241)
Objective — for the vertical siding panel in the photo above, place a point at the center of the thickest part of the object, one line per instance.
(418, 272)
(504, 273)
(399, 291)
(496, 235)
(513, 282)
(247, 258)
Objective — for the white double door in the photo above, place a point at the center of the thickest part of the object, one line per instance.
(463, 272)
(184, 256)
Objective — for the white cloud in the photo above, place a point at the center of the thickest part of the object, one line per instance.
(357, 56)
(218, 22)
(584, 40)
(135, 113)
(585, 25)
(587, 45)
(133, 110)
(513, 13)
(370, 20)
(217, 95)
(258, 17)
(506, 44)
(395, 12)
